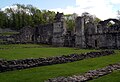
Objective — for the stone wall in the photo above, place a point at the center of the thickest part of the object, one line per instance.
(90, 75)
(9, 65)
(80, 33)
(26, 35)
(92, 35)
(6, 30)
(59, 30)
(6, 39)
(44, 33)
(69, 39)
(105, 40)
(87, 34)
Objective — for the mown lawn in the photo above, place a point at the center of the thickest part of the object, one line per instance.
(11, 46)
(113, 77)
(9, 33)
(10, 52)
(39, 74)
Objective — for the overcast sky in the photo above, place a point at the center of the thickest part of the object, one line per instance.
(101, 8)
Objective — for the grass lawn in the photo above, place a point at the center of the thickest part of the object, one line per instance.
(39, 74)
(11, 46)
(9, 33)
(113, 77)
(20, 52)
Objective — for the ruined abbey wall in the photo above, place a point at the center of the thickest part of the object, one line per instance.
(44, 33)
(86, 34)
(103, 36)
(80, 34)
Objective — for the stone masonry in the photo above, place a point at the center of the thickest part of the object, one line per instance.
(87, 34)
(90, 75)
(9, 65)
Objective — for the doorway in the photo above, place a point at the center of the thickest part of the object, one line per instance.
(96, 44)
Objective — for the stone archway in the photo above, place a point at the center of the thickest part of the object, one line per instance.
(105, 22)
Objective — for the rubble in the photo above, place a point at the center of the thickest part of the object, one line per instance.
(9, 65)
(92, 74)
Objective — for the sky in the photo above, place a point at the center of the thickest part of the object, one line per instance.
(103, 9)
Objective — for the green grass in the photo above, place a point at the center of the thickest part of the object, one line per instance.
(17, 52)
(2, 40)
(9, 33)
(39, 74)
(113, 77)
(11, 46)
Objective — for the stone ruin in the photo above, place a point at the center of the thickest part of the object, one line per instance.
(104, 36)
(90, 75)
(9, 65)
(5, 35)
(87, 34)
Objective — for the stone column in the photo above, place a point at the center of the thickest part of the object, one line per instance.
(80, 34)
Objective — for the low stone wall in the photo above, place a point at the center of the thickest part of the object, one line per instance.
(28, 63)
(92, 74)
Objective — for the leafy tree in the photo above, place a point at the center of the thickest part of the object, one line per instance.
(90, 18)
(21, 15)
(3, 19)
(70, 21)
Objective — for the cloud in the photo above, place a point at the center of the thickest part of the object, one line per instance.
(115, 1)
(103, 9)
(13, 7)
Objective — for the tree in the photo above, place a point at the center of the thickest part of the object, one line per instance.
(3, 19)
(19, 16)
(90, 18)
(70, 21)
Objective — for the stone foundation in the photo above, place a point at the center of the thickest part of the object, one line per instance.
(6, 65)
(92, 74)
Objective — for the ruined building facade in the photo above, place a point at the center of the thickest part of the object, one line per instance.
(91, 35)
(53, 33)
(87, 34)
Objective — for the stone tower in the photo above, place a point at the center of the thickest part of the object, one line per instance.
(80, 32)
(59, 30)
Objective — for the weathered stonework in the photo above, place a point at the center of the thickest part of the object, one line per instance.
(59, 30)
(26, 35)
(87, 34)
(9, 65)
(44, 33)
(105, 36)
(80, 33)
(92, 35)
(90, 75)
